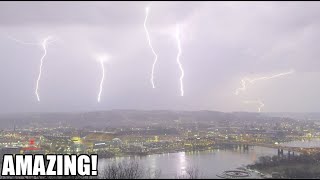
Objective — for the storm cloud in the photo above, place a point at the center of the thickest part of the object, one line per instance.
(221, 43)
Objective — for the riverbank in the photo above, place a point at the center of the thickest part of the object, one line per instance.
(302, 166)
(141, 154)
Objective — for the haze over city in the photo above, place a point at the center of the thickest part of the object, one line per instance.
(221, 42)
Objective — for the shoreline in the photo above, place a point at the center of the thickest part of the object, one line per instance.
(166, 152)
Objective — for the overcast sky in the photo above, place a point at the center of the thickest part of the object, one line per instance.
(221, 42)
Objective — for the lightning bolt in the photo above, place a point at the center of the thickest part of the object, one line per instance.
(102, 79)
(154, 53)
(261, 104)
(22, 42)
(178, 59)
(44, 46)
(246, 80)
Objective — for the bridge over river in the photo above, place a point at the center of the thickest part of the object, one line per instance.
(280, 147)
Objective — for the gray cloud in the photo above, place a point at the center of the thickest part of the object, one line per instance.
(221, 43)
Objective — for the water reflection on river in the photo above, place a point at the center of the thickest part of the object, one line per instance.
(209, 162)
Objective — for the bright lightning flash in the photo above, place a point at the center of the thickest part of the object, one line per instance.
(246, 80)
(101, 59)
(178, 59)
(154, 53)
(44, 46)
(261, 104)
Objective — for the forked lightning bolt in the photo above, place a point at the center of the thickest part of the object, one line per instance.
(178, 59)
(44, 46)
(246, 80)
(22, 42)
(259, 102)
(154, 53)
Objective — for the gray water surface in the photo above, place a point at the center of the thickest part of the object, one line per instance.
(209, 162)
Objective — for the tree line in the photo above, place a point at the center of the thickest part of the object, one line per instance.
(121, 170)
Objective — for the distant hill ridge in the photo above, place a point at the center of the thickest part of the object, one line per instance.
(117, 118)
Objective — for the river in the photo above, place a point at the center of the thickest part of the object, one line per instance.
(209, 162)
